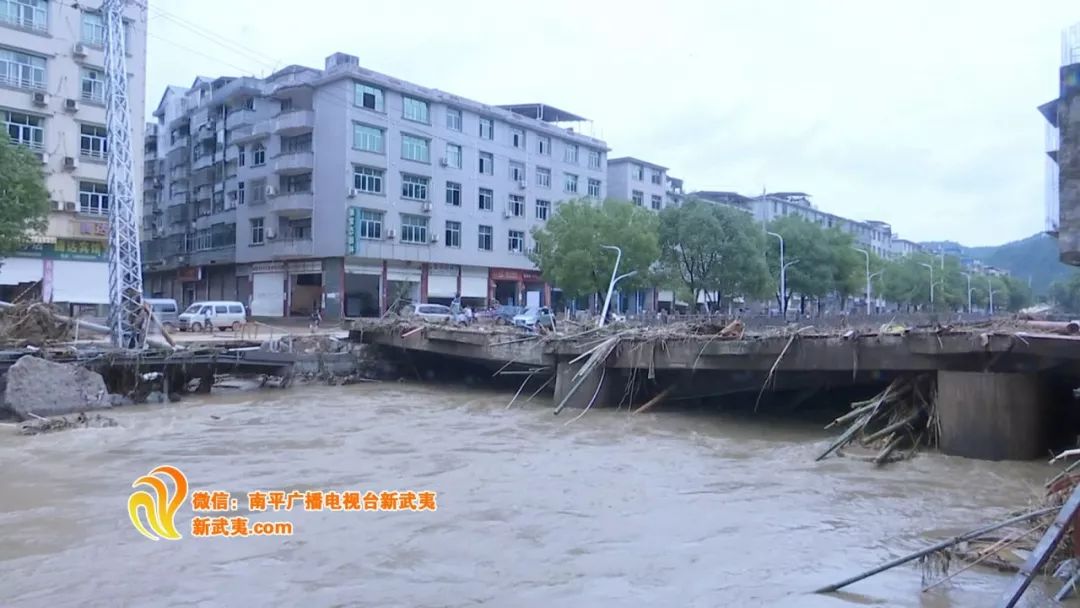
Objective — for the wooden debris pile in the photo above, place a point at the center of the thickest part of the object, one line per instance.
(901, 416)
(34, 323)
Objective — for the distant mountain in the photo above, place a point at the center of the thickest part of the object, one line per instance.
(1034, 258)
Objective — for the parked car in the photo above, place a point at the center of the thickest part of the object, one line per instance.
(208, 316)
(166, 310)
(533, 316)
(430, 312)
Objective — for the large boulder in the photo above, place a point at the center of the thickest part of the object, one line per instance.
(44, 388)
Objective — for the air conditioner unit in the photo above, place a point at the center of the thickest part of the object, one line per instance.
(271, 191)
(41, 99)
(444, 162)
(426, 207)
(434, 238)
(353, 192)
(71, 105)
(521, 184)
(43, 157)
(271, 233)
(390, 234)
(71, 163)
(507, 214)
(69, 206)
(79, 50)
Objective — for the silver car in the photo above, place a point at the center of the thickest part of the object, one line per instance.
(430, 312)
(533, 316)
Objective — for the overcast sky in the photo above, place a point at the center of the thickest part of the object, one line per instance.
(921, 114)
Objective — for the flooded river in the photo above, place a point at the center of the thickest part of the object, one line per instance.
(655, 510)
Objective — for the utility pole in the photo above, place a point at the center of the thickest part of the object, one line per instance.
(930, 267)
(125, 260)
(867, 254)
(783, 276)
(968, 276)
(990, 290)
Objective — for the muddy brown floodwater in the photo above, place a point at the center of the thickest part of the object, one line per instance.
(663, 509)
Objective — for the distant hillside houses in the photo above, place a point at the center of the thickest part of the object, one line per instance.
(875, 236)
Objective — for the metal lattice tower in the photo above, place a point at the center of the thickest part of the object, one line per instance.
(125, 260)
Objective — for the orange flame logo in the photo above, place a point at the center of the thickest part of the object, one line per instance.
(159, 508)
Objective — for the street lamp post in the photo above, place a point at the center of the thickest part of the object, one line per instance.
(867, 254)
(876, 274)
(930, 267)
(990, 291)
(614, 280)
(968, 276)
(783, 276)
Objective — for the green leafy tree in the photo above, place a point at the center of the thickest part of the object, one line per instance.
(712, 249)
(825, 260)
(24, 201)
(570, 252)
(1066, 293)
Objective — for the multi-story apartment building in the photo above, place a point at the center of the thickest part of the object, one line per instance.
(876, 237)
(903, 248)
(645, 184)
(52, 94)
(1063, 150)
(349, 189)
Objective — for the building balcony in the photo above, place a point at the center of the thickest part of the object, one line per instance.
(203, 162)
(289, 248)
(295, 122)
(251, 132)
(240, 118)
(293, 163)
(180, 143)
(293, 204)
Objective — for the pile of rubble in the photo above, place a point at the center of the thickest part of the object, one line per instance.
(34, 323)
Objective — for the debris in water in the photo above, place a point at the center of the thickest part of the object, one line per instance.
(41, 424)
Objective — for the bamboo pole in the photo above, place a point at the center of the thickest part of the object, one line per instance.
(657, 399)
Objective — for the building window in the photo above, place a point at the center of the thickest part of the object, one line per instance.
(258, 192)
(517, 138)
(93, 141)
(543, 145)
(370, 224)
(24, 129)
(241, 155)
(93, 198)
(258, 155)
(93, 85)
(516, 241)
(258, 231)
(594, 159)
(369, 139)
(638, 173)
(414, 187)
(517, 205)
(656, 177)
(487, 128)
(296, 183)
(570, 154)
(297, 144)
(93, 29)
(517, 172)
(487, 163)
(485, 238)
(638, 197)
(594, 188)
(414, 109)
(453, 119)
(453, 156)
(453, 194)
(368, 97)
(240, 193)
(414, 148)
(543, 177)
(22, 70)
(453, 234)
(487, 199)
(543, 208)
(367, 179)
(657, 202)
(286, 105)
(570, 183)
(31, 14)
(414, 228)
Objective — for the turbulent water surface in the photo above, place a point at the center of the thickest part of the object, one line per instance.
(663, 509)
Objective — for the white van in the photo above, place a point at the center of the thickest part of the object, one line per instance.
(205, 316)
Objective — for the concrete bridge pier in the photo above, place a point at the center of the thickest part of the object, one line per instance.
(992, 416)
(585, 387)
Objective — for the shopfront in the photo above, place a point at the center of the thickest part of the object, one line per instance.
(69, 271)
